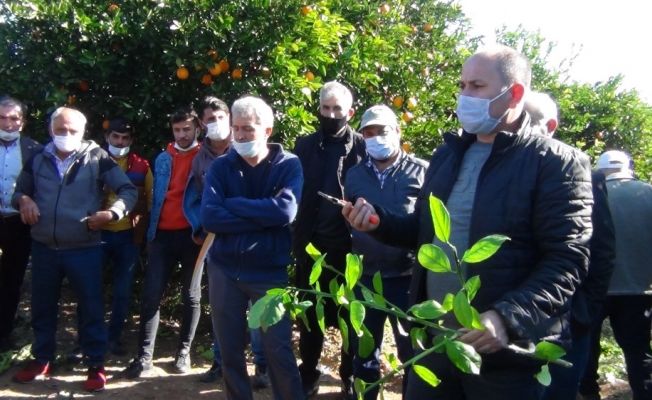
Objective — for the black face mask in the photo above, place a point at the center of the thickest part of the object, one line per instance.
(332, 126)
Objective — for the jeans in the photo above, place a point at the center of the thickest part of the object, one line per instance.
(630, 318)
(120, 249)
(15, 243)
(395, 291)
(229, 302)
(83, 269)
(165, 252)
(566, 381)
(256, 340)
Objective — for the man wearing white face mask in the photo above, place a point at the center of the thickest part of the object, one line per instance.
(250, 198)
(392, 179)
(122, 239)
(498, 178)
(15, 151)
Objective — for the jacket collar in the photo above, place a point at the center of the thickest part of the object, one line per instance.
(348, 137)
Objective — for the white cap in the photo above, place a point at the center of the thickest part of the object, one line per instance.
(379, 115)
(613, 159)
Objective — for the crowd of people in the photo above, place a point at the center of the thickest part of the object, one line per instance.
(578, 248)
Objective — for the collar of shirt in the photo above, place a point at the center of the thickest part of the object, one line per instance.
(381, 175)
(62, 165)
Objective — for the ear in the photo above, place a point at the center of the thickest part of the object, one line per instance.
(551, 125)
(350, 113)
(517, 92)
(268, 132)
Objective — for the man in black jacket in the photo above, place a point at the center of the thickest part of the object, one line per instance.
(326, 156)
(498, 178)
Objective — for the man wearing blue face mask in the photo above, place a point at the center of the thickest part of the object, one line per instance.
(496, 177)
(392, 179)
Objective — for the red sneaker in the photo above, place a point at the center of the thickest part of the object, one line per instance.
(96, 379)
(31, 371)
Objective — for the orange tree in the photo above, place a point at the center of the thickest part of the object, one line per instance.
(144, 58)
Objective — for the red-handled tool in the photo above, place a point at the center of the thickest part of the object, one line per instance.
(373, 219)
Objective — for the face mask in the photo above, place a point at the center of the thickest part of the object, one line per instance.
(382, 147)
(218, 130)
(331, 126)
(118, 152)
(473, 114)
(9, 136)
(68, 143)
(194, 144)
(249, 149)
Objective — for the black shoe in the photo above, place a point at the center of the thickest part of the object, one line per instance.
(213, 374)
(136, 368)
(310, 383)
(260, 379)
(75, 356)
(182, 362)
(117, 349)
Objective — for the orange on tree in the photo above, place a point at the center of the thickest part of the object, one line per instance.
(407, 147)
(224, 65)
(207, 79)
(411, 103)
(236, 73)
(407, 116)
(266, 72)
(213, 54)
(105, 124)
(384, 8)
(215, 70)
(397, 101)
(112, 8)
(305, 10)
(309, 76)
(427, 27)
(183, 73)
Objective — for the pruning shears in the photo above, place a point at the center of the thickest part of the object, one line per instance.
(373, 219)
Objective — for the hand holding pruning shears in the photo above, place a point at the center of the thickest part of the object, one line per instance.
(361, 215)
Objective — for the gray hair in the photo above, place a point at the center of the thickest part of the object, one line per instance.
(79, 116)
(7, 101)
(337, 90)
(512, 66)
(250, 106)
(541, 107)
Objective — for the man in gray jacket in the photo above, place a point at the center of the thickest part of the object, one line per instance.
(59, 193)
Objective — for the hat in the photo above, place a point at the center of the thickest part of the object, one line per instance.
(120, 125)
(613, 159)
(378, 115)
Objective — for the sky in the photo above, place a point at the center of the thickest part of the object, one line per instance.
(614, 35)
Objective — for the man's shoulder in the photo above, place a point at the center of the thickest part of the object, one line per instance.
(414, 161)
(305, 140)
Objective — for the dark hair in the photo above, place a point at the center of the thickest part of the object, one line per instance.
(213, 103)
(7, 101)
(120, 125)
(184, 114)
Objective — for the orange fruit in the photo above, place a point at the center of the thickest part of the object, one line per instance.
(305, 10)
(427, 27)
(236, 73)
(309, 76)
(224, 65)
(105, 124)
(215, 70)
(112, 8)
(213, 54)
(207, 79)
(407, 147)
(407, 116)
(83, 85)
(398, 101)
(384, 9)
(266, 72)
(183, 73)
(411, 103)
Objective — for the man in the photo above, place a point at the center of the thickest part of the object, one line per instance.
(59, 193)
(589, 298)
(15, 151)
(121, 239)
(170, 243)
(249, 201)
(498, 178)
(214, 118)
(629, 300)
(326, 156)
(391, 179)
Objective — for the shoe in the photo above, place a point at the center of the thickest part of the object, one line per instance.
(117, 349)
(213, 374)
(136, 368)
(310, 384)
(95, 380)
(260, 379)
(75, 356)
(31, 371)
(182, 362)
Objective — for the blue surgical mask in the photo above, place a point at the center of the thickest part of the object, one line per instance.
(118, 152)
(9, 136)
(382, 147)
(473, 114)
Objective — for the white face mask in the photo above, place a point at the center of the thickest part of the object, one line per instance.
(68, 143)
(382, 147)
(473, 114)
(249, 149)
(218, 130)
(118, 152)
(181, 149)
(9, 136)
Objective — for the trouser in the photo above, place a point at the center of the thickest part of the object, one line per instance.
(395, 291)
(311, 341)
(15, 242)
(229, 302)
(168, 249)
(565, 381)
(120, 249)
(256, 340)
(83, 269)
(630, 318)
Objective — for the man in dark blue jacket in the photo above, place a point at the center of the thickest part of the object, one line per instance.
(498, 178)
(250, 198)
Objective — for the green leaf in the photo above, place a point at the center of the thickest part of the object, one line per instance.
(543, 376)
(433, 258)
(353, 270)
(393, 361)
(484, 248)
(342, 295)
(315, 273)
(256, 311)
(356, 315)
(418, 337)
(344, 331)
(471, 286)
(441, 219)
(312, 251)
(463, 356)
(447, 304)
(319, 311)
(462, 310)
(548, 351)
(367, 295)
(333, 287)
(429, 309)
(426, 375)
(273, 312)
(378, 283)
(359, 385)
(365, 343)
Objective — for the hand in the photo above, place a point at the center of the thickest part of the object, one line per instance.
(362, 216)
(29, 211)
(492, 338)
(98, 220)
